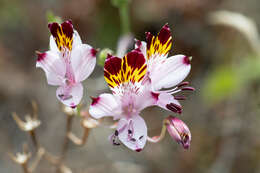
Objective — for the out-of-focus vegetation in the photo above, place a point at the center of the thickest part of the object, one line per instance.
(223, 114)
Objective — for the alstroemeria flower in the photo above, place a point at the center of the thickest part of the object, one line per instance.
(164, 72)
(179, 131)
(67, 63)
(131, 94)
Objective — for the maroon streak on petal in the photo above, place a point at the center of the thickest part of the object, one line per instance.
(113, 65)
(41, 56)
(164, 34)
(155, 95)
(54, 27)
(73, 106)
(138, 150)
(149, 38)
(187, 60)
(135, 59)
(67, 29)
(94, 100)
(93, 52)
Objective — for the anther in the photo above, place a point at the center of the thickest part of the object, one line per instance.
(188, 89)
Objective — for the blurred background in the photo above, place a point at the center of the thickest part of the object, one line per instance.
(222, 114)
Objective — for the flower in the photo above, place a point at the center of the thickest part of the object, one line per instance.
(179, 131)
(67, 63)
(164, 72)
(130, 94)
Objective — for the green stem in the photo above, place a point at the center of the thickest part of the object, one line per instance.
(124, 18)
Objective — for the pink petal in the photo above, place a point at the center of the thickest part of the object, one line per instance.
(53, 66)
(70, 95)
(104, 105)
(146, 99)
(133, 132)
(167, 101)
(179, 131)
(83, 61)
(170, 72)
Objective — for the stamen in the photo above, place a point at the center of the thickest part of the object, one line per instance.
(183, 84)
(180, 97)
(188, 89)
(174, 108)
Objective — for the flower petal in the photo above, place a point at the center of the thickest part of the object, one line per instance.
(62, 34)
(159, 45)
(130, 69)
(133, 132)
(83, 61)
(167, 101)
(179, 131)
(53, 45)
(76, 39)
(53, 66)
(170, 72)
(70, 95)
(104, 105)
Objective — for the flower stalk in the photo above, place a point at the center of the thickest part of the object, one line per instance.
(156, 139)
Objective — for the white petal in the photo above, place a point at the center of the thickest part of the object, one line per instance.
(76, 39)
(167, 101)
(83, 61)
(170, 72)
(104, 105)
(53, 66)
(70, 95)
(53, 45)
(137, 138)
(123, 44)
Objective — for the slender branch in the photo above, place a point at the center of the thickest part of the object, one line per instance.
(34, 139)
(66, 140)
(77, 140)
(25, 168)
(156, 139)
(124, 18)
(35, 163)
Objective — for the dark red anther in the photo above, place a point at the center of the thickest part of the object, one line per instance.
(188, 89)
(180, 97)
(183, 84)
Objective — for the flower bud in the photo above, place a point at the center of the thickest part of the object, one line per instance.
(179, 131)
(103, 55)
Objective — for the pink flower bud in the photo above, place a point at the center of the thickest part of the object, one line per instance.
(179, 131)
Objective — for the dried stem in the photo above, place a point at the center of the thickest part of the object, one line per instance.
(78, 141)
(35, 163)
(34, 139)
(66, 140)
(25, 168)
